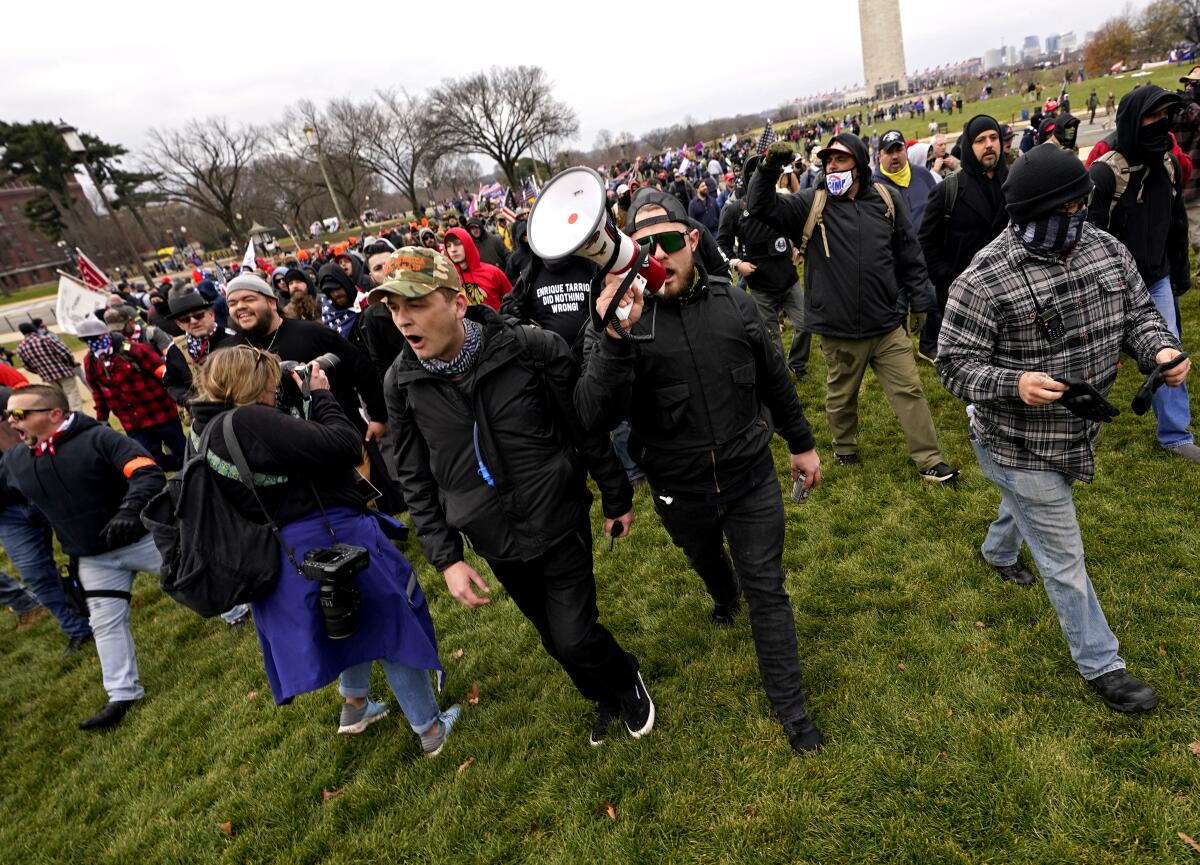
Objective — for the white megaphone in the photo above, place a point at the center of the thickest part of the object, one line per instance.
(571, 217)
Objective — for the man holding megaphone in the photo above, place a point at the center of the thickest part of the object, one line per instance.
(694, 369)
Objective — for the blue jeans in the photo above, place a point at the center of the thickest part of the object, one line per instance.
(620, 439)
(25, 536)
(411, 686)
(753, 524)
(109, 617)
(15, 596)
(1038, 507)
(1170, 403)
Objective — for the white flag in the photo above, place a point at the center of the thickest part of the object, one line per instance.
(248, 258)
(76, 302)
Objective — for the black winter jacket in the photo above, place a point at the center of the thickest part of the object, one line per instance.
(319, 454)
(519, 398)
(93, 473)
(742, 236)
(695, 396)
(978, 216)
(1150, 217)
(857, 289)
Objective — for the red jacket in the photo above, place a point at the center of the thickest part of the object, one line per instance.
(9, 377)
(485, 283)
(129, 384)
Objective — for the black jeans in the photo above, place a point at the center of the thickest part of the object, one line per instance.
(753, 524)
(557, 593)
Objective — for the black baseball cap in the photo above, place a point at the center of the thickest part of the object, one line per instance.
(890, 139)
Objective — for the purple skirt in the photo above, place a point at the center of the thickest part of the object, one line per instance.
(393, 619)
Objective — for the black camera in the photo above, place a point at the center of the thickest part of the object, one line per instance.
(334, 568)
(326, 362)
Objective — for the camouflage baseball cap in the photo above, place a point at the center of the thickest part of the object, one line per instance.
(415, 271)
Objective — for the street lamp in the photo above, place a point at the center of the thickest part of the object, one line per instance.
(315, 143)
(78, 148)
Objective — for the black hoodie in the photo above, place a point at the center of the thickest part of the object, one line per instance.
(1150, 218)
(855, 290)
(93, 472)
(949, 244)
(490, 247)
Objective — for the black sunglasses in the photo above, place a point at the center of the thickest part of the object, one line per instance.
(19, 413)
(670, 241)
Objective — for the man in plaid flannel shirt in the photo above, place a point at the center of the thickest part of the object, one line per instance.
(45, 354)
(1051, 299)
(126, 379)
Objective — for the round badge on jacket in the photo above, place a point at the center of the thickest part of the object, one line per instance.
(780, 244)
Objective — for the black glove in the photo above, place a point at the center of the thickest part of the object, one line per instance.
(779, 155)
(122, 530)
(1083, 400)
(1141, 402)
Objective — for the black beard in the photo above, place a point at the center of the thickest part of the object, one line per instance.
(257, 332)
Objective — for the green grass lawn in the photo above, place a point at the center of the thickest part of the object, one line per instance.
(958, 729)
(45, 289)
(1007, 109)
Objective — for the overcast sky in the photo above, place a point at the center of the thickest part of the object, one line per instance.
(115, 74)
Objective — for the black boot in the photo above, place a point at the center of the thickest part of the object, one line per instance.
(1121, 692)
(803, 735)
(109, 716)
(1016, 574)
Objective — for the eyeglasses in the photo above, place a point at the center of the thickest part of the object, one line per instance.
(670, 241)
(191, 316)
(19, 413)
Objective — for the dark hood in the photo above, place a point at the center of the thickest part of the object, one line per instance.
(976, 125)
(293, 274)
(862, 160)
(518, 228)
(331, 276)
(477, 222)
(1135, 105)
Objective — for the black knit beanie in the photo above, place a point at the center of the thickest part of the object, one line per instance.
(1042, 179)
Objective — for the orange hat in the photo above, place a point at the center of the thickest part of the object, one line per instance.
(302, 255)
(351, 240)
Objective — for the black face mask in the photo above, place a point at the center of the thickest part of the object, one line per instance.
(1155, 138)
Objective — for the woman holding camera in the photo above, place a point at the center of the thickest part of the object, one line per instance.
(313, 630)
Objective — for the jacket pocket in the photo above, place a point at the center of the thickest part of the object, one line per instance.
(670, 406)
(743, 377)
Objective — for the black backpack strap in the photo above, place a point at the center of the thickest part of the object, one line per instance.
(108, 593)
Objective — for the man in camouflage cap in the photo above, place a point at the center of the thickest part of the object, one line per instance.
(488, 445)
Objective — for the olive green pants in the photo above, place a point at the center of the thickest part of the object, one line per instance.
(891, 359)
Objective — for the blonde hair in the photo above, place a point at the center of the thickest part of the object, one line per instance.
(237, 375)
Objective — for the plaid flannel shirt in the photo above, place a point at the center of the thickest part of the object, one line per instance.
(47, 356)
(129, 384)
(989, 337)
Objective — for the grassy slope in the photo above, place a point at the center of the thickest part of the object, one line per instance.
(958, 729)
(1007, 109)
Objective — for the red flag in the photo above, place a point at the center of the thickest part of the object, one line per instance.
(90, 273)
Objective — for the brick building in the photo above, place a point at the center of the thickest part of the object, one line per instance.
(27, 257)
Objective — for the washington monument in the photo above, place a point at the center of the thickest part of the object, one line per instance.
(883, 48)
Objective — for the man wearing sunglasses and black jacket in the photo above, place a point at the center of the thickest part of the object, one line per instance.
(91, 482)
(696, 396)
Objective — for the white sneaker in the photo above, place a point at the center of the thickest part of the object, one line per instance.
(354, 720)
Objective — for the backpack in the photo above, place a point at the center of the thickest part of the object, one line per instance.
(817, 208)
(950, 181)
(1122, 171)
(213, 557)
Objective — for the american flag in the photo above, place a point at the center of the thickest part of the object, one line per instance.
(90, 273)
(768, 136)
(529, 191)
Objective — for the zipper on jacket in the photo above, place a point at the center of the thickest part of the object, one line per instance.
(712, 454)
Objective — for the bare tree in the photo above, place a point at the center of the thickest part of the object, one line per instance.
(205, 166)
(453, 174)
(340, 131)
(1190, 10)
(401, 142)
(286, 189)
(501, 114)
(1161, 26)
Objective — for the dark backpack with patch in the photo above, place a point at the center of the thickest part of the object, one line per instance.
(213, 558)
